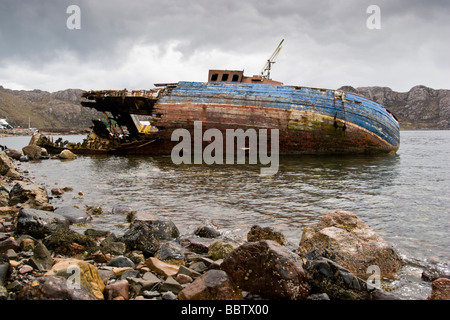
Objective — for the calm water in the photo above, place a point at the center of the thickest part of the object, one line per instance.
(405, 198)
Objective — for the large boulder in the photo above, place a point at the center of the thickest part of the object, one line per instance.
(269, 269)
(345, 239)
(14, 154)
(79, 274)
(67, 155)
(34, 152)
(212, 285)
(53, 288)
(68, 242)
(339, 283)
(140, 236)
(7, 167)
(440, 289)
(145, 235)
(30, 195)
(257, 233)
(39, 223)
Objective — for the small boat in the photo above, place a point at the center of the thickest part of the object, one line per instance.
(309, 120)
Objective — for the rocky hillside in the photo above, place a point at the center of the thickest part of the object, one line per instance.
(45, 110)
(419, 108)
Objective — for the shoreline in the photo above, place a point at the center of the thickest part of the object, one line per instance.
(145, 263)
(5, 133)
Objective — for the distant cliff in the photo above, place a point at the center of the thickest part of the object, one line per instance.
(57, 110)
(419, 108)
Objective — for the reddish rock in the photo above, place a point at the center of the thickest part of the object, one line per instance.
(53, 288)
(162, 268)
(440, 289)
(183, 278)
(7, 242)
(268, 269)
(25, 269)
(212, 285)
(118, 290)
(57, 191)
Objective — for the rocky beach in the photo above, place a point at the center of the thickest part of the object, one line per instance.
(43, 258)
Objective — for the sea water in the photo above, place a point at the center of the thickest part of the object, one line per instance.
(404, 197)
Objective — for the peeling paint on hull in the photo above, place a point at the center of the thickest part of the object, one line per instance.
(300, 132)
(309, 120)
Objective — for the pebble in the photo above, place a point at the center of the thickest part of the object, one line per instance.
(25, 269)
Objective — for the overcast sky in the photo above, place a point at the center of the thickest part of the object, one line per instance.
(135, 43)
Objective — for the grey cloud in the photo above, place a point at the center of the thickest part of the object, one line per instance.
(319, 35)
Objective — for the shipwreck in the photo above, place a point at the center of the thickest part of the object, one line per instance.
(309, 120)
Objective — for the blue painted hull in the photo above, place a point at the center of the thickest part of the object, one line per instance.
(307, 117)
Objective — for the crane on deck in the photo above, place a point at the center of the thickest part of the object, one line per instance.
(265, 73)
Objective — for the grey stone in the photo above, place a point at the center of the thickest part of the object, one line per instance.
(129, 274)
(96, 233)
(189, 272)
(169, 296)
(148, 294)
(41, 259)
(150, 276)
(121, 209)
(3, 293)
(39, 223)
(170, 250)
(121, 262)
(15, 286)
(339, 283)
(171, 285)
(11, 254)
(318, 296)
(139, 285)
(199, 267)
(74, 215)
(207, 230)
(4, 269)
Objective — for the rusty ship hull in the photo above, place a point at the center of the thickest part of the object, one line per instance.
(309, 120)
